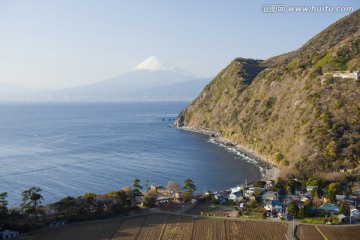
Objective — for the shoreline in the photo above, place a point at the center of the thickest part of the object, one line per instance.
(268, 170)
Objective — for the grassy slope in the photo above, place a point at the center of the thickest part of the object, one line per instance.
(287, 108)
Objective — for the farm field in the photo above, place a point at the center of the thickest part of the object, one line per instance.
(169, 226)
(330, 232)
(164, 226)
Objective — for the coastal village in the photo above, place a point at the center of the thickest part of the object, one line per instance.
(272, 199)
(313, 201)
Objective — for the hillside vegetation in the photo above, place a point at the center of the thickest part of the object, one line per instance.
(290, 108)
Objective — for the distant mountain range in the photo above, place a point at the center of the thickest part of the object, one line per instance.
(152, 79)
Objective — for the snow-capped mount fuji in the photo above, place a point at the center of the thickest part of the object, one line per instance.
(155, 64)
(152, 79)
(152, 64)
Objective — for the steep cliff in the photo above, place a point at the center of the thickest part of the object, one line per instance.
(290, 108)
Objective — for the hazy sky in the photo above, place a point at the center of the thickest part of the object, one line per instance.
(53, 44)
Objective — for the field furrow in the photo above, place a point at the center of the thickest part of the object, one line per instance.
(304, 232)
(234, 230)
(153, 227)
(178, 228)
(129, 228)
(341, 233)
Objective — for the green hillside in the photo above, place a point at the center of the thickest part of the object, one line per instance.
(290, 108)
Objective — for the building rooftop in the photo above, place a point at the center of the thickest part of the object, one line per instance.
(329, 207)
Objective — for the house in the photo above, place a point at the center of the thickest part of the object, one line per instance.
(249, 191)
(221, 198)
(178, 195)
(357, 192)
(342, 218)
(8, 234)
(350, 200)
(305, 198)
(269, 195)
(233, 196)
(310, 188)
(329, 207)
(347, 74)
(354, 212)
(299, 192)
(287, 199)
(339, 198)
(274, 206)
(235, 189)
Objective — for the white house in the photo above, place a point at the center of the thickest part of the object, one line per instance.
(274, 206)
(8, 234)
(355, 213)
(305, 198)
(310, 188)
(347, 74)
(235, 195)
(339, 198)
(235, 189)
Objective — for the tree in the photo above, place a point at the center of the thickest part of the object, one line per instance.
(136, 184)
(3, 205)
(189, 186)
(344, 209)
(186, 196)
(331, 192)
(260, 184)
(127, 190)
(315, 192)
(279, 186)
(253, 203)
(312, 181)
(150, 199)
(292, 208)
(292, 185)
(308, 204)
(172, 188)
(137, 187)
(89, 201)
(66, 206)
(136, 191)
(129, 194)
(31, 199)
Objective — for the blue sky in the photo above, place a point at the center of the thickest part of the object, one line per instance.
(54, 44)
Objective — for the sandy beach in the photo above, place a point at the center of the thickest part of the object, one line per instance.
(268, 170)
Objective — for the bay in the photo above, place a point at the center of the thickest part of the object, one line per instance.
(69, 149)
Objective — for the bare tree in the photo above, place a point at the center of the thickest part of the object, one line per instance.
(172, 188)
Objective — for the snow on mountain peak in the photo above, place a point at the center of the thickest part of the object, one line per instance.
(155, 64)
(152, 64)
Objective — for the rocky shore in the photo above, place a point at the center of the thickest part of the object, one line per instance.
(268, 170)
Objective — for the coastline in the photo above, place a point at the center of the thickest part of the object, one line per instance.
(268, 170)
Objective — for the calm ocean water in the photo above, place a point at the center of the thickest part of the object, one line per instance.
(72, 149)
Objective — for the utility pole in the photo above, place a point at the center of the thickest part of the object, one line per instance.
(293, 225)
(350, 214)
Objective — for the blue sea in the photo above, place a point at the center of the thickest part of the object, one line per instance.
(69, 149)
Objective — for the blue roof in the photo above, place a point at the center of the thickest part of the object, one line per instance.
(275, 202)
(238, 193)
(329, 207)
